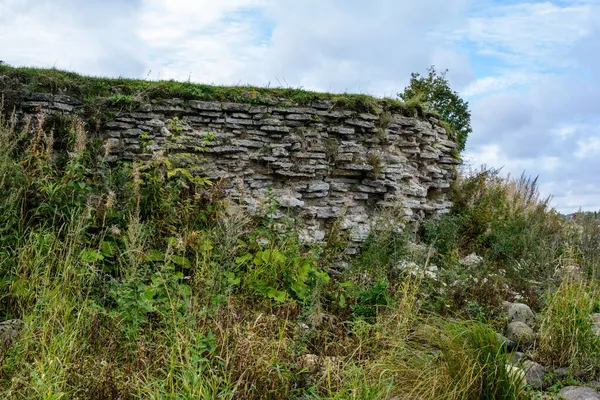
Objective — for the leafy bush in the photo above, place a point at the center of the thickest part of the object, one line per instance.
(504, 221)
(434, 90)
(370, 300)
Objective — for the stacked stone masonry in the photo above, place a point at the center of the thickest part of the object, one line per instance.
(320, 163)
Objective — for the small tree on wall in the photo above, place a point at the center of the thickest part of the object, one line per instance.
(434, 91)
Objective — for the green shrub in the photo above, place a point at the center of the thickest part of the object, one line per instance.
(445, 234)
(504, 221)
(370, 300)
(434, 91)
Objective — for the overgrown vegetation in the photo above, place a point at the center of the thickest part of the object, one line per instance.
(567, 337)
(140, 281)
(503, 220)
(433, 90)
(98, 92)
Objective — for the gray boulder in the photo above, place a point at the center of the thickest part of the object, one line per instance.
(9, 330)
(517, 358)
(518, 312)
(578, 393)
(534, 374)
(521, 333)
(594, 385)
(472, 260)
(562, 372)
(508, 344)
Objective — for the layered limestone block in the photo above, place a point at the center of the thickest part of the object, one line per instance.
(318, 162)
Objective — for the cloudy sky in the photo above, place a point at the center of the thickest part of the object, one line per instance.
(529, 69)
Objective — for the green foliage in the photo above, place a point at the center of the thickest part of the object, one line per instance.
(502, 220)
(120, 92)
(280, 271)
(567, 337)
(445, 234)
(370, 300)
(157, 295)
(375, 161)
(120, 99)
(471, 364)
(136, 280)
(477, 363)
(434, 91)
(582, 233)
(383, 249)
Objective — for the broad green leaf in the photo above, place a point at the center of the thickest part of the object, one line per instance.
(277, 295)
(261, 258)
(342, 301)
(206, 246)
(91, 255)
(155, 255)
(300, 289)
(181, 261)
(277, 257)
(107, 248)
(232, 279)
(322, 276)
(244, 259)
(303, 270)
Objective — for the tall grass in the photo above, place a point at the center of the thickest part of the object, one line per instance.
(567, 337)
(453, 360)
(504, 220)
(133, 284)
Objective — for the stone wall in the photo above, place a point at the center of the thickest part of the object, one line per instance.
(320, 162)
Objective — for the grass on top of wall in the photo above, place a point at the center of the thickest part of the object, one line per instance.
(126, 90)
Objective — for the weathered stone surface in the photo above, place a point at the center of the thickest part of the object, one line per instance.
(472, 260)
(534, 374)
(520, 333)
(506, 342)
(561, 372)
(594, 385)
(517, 358)
(578, 393)
(324, 163)
(9, 330)
(519, 312)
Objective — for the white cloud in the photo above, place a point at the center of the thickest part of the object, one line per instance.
(532, 34)
(333, 46)
(63, 34)
(492, 155)
(565, 131)
(196, 40)
(589, 147)
(492, 84)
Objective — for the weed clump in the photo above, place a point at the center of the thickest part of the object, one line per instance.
(567, 336)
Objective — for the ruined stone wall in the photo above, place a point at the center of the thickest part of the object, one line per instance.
(321, 163)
